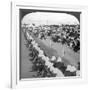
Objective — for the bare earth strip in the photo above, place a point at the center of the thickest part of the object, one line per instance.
(26, 64)
(57, 49)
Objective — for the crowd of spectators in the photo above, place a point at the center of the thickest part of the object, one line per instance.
(65, 34)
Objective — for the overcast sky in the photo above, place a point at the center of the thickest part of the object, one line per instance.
(49, 18)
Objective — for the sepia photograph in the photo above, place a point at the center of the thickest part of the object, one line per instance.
(49, 43)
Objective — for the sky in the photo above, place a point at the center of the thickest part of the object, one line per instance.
(49, 18)
(27, 12)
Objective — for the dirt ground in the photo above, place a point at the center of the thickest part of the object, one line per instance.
(25, 63)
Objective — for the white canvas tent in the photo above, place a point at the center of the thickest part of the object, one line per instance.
(39, 18)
